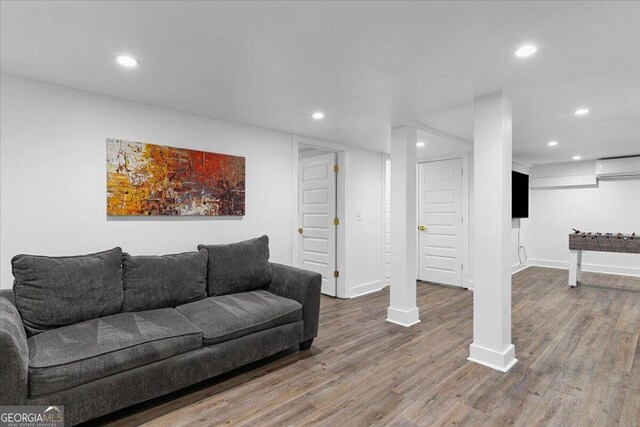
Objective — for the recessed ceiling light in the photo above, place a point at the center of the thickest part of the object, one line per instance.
(577, 157)
(581, 111)
(526, 50)
(552, 143)
(127, 61)
(419, 144)
(318, 115)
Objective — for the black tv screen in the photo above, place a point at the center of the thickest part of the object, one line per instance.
(519, 195)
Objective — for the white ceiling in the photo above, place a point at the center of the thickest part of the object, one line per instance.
(368, 65)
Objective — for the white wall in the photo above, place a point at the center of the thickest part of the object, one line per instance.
(611, 206)
(364, 238)
(524, 223)
(53, 176)
(53, 182)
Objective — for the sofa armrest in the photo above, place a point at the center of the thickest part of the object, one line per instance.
(302, 286)
(14, 353)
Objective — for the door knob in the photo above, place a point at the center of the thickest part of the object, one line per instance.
(422, 228)
(300, 230)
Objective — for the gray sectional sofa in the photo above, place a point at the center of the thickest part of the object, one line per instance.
(100, 332)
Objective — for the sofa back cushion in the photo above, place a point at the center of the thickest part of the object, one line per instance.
(238, 267)
(56, 291)
(152, 282)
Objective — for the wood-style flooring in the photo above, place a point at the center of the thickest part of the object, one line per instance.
(578, 352)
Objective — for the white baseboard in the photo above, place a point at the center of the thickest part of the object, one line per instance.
(516, 268)
(403, 317)
(592, 268)
(519, 267)
(500, 361)
(367, 288)
(549, 264)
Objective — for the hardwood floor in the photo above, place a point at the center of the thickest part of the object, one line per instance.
(578, 352)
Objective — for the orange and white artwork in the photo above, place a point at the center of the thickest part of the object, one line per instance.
(148, 179)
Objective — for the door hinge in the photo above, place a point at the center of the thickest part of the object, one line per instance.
(461, 266)
(462, 219)
(336, 221)
(336, 274)
(336, 168)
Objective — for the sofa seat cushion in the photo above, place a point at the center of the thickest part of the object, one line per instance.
(226, 317)
(76, 354)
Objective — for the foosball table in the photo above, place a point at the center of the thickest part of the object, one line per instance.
(608, 242)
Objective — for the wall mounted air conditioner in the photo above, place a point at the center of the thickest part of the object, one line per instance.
(620, 168)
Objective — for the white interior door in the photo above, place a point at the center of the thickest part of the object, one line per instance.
(440, 222)
(317, 211)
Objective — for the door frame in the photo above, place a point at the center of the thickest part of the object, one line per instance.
(341, 160)
(385, 158)
(466, 236)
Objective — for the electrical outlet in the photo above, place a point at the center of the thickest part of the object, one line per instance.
(359, 216)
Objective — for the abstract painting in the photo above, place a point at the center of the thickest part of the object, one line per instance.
(148, 179)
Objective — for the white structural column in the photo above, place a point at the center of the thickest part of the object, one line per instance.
(492, 240)
(402, 307)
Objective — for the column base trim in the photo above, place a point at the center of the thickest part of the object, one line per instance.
(492, 359)
(403, 317)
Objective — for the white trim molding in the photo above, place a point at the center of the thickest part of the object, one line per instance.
(492, 359)
(592, 268)
(402, 317)
(366, 288)
(516, 268)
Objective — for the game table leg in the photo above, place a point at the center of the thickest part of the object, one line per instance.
(575, 267)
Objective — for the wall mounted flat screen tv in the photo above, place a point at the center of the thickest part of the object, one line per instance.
(519, 195)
